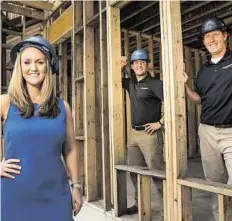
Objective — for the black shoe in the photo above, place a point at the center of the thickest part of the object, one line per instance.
(132, 210)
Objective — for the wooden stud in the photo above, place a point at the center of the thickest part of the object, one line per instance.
(104, 112)
(221, 207)
(191, 111)
(89, 104)
(208, 186)
(38, 4)
(230, 41)
(138, 41)
(120, 198)
(115, 89)
(63, 71)
(144, 197)
(98, 115)
(197, 65)
(126, 95)
(174, 107)
(151, 56)
(22, 11)
(185, 202)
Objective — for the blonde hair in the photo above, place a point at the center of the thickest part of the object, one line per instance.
(17, 90)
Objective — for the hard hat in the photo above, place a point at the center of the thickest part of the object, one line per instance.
(140, 54)
(40, 43)
(212, 23)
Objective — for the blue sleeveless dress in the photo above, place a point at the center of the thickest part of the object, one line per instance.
(41, 191)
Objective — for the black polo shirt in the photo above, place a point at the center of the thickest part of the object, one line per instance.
(146, 97)
(214, 85)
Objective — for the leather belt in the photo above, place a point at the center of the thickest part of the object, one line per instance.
(139, 127)
(221, 125)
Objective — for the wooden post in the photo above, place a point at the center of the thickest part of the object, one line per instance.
(174, 105)
(78, 89)
(196, 69)
(127, 98)
(191, 113)
(115, 94)
(98, 115)
(139, 41)
(104, 112)
(144, 197)
(63, 71)
(89, 104)
(230, 41)
(151, 56)
(120, 198)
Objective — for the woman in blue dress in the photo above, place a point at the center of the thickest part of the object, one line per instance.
(36, 124)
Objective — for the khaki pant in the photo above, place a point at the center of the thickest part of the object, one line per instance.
(216, 154)
(146, 150)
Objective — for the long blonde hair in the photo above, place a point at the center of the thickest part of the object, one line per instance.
(17, 90)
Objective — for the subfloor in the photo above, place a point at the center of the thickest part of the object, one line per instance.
(201, 202)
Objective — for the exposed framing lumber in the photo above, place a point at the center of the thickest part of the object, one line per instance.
(151, 56)
(208, 186)
(174, 107)
(37, 4)
(11, 32)
(104, 112)
(89, 105)
(191, 109)
(126, 95)
(115, 93)
(56, 34)
(23, 11)
(98, 116)
(120, 198)
(63, 71)
(138, 41)
(185, 201)
(144, 197)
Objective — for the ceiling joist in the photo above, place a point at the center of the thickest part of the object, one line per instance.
(37, 4)
(22, 11)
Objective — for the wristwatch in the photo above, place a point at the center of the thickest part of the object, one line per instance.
(76, 185)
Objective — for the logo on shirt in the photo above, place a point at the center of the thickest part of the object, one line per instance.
(144, 88)
(230, 65)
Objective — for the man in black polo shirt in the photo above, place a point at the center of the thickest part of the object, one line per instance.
(145, 143)
(214, 93)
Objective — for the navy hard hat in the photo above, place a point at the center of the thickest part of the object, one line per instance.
(212, 23)
(40, 43)
(139, 54)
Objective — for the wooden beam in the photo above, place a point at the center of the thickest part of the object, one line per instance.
(208, 186)
(22, 11)
(191, 109)
(144, 197)
(174, 105)
(151, 56)
(11, 32)
(48, 6)
(56, 34)
(139, 41)
(63, 71)
(89, 104)
(120, 196)
(141, 170)
(185, 201)
(104, 111)
(115, 89)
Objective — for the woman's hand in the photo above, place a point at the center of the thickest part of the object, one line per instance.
(7, 167)
(77, 200)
